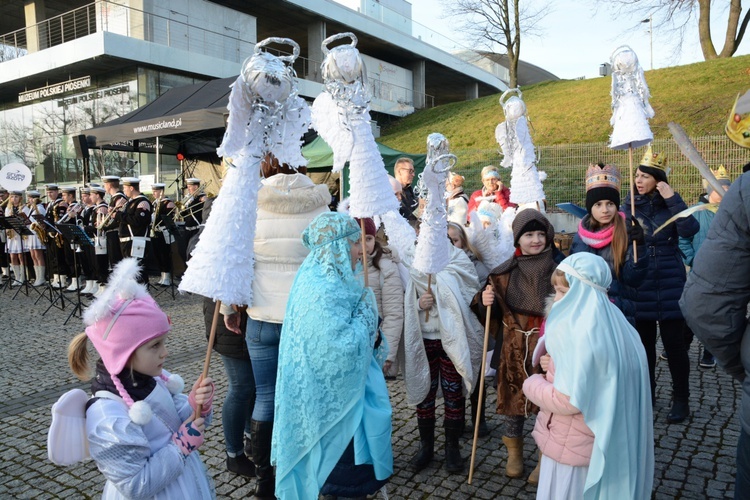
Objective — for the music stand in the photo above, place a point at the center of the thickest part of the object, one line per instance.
(6, 227)
(55, 294)
(76, 236)
(18, 224)
(171, 227)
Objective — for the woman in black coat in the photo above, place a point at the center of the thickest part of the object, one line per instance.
(657, 298)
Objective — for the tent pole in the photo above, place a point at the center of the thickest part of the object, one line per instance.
(158, 173)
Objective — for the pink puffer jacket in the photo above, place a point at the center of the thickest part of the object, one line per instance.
(559, 432)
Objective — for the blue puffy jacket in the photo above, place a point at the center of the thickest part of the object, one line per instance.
(689, 246)
(656, 299)
(622, 291)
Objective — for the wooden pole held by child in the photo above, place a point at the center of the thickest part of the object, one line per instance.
(632, 195)
(364, 252)
(481, 389)
(209, 350)
(429, 290)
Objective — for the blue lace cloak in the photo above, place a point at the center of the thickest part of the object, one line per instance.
(329, 387)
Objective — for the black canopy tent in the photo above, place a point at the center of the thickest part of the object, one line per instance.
(187, 119)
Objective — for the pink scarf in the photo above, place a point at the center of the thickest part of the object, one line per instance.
(597, 239)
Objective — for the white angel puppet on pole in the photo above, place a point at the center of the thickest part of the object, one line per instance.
(341, 115)
(631, 110)
(266, 116)
(514, 139)
(433, 247)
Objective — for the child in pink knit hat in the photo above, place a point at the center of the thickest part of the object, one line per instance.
(140, 427)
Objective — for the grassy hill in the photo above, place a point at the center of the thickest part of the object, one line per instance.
(697, 96)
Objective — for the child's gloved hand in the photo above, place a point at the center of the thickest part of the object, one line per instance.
(202, 393)
(189, 437)
(635, 233)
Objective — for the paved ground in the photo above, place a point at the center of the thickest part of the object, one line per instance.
(693, 460)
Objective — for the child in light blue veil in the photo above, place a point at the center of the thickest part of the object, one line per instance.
(599, 371)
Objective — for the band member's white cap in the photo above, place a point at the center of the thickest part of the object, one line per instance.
(130, 181)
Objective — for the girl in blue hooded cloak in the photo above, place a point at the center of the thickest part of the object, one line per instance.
(332, 433)
(598, 371)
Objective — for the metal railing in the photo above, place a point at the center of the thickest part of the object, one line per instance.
(104, 16)
(566, 165)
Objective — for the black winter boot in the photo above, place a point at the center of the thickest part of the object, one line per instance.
(454, 463)
(265, 486)
(241, 465)
(426, 444)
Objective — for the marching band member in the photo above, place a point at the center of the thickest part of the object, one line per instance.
(36, 242)
(192, 213)
(110, 224)
(87, 221)
(101, 261)
(15, 245)
(163, 208)
(135, 220)
(56, 209)
(4, 200)
(72, 216)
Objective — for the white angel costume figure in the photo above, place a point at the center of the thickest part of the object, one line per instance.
(631, 110)
(342, 118)
(266, 116)
(433, 247)
(341, 115)
(514, 139)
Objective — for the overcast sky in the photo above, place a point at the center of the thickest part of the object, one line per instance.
(577, 39)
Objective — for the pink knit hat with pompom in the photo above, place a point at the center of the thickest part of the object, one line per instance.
(133, 322)
(120, 321)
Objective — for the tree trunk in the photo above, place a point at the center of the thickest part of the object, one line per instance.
(516, 46)
(704, 29)
(732, 38)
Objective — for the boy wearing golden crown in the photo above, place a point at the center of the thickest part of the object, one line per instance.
(689, 246)
(656, 299)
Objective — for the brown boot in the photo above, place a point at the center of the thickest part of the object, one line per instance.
(514, 465)
(534, 476)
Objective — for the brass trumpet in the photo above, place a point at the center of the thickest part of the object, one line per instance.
(73, 210)
(107, 219)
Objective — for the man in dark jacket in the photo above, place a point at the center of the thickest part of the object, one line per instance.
(715, 301)
(403, 171)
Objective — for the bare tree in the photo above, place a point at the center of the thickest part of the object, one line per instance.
(678, 16)
(497, 23)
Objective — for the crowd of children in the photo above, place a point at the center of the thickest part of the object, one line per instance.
(573, 342)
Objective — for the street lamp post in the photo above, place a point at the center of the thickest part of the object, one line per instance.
(650, 36)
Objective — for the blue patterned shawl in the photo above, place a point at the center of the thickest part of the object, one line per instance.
(329, 389)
